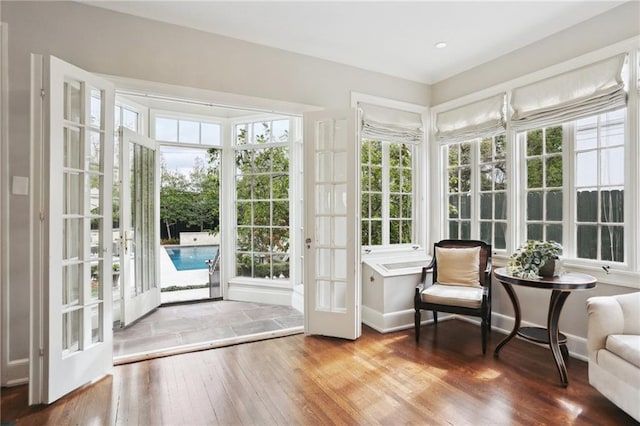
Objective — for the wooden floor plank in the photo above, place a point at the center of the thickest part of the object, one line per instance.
(377, 379)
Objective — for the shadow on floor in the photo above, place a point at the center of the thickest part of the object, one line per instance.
(174, 326)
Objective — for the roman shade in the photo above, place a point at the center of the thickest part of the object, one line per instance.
(479, 119)
(391, 125)
(586, 91)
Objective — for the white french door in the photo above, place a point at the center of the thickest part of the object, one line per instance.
(332, 224)
(71, 342)
(139, 219)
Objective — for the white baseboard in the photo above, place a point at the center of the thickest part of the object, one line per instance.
(16, 373)
(258, 294)
(395, 321)
(297, 298)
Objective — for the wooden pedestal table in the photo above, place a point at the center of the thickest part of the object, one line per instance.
(560, 287)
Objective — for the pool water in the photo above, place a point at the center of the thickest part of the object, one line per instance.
(189, 258)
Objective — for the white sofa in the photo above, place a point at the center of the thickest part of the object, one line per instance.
(613, 343)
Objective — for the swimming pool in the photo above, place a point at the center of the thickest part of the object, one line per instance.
(189, 258)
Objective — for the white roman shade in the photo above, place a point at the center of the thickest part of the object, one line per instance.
(391, 125)
(586, 91)
(479, 119)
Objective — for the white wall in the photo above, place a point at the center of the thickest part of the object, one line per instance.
(620, 23)
(111, 43)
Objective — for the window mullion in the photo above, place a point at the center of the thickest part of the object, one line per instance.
(569, 201)
(385, 195)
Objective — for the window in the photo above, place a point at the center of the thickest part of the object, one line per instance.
(387, 193)
(544, 184)
(262, 199)
(599, 187)
(476, 192)
(188, 131)
(595, 224)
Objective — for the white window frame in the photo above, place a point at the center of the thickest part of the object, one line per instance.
(421, 214)
(620, 275)
(294, 146)
(386, 196)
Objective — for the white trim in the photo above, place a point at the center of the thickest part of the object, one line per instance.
(259, 293)
(17, 372)
(5, 331)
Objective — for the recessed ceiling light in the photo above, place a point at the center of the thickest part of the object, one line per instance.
(441, 45)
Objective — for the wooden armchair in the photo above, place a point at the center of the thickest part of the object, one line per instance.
(461, 271)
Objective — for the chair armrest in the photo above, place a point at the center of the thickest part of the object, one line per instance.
(605, 317)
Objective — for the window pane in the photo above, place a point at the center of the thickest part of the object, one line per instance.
(534, 231)
(486, 206)
(167, 129)
(465, 206)
(189, 131)
(612, 206)
(554, 205)
(486, 150)
(210, 134)
(453, 230)
(554, 233)
(534, 142)
(586, 164)
(587, 206)
(554, 139)
(280, 130)
(534, 173)
(500, 242)
(465, 230)
(587, 242)
(485, 232)
(500, 206)
(613, 243)
(261, 132)
(554, 171)
(534, 206)
(612, 166)
(376, 232)
(501, 147)
(453, 206)
(465, 179)
(130, 120)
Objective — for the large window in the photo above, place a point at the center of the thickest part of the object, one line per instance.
(593, 228)
(262, 199)
(476, 190)
(387, 193)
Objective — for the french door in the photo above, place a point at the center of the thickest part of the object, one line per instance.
(71, 334)
(332, 218)
(139, 219)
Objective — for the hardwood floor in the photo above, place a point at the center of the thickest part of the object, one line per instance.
(377, 379)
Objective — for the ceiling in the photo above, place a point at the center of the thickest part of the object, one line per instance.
(390, 37)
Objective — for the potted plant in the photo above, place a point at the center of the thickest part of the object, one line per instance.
(535, 259)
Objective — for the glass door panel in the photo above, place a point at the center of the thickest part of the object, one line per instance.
(332, 264)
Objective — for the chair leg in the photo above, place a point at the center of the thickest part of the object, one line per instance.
(485, 330)
(417, 321)
(435, 317)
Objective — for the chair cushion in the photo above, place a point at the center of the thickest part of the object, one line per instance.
(453, 295)
(626, 346)
(458, 266)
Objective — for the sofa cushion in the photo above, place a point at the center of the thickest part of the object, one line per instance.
(626, 346)
(452, 295)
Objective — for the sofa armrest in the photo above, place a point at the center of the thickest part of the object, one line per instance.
(610, 315)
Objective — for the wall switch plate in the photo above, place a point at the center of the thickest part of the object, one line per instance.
(20, 185)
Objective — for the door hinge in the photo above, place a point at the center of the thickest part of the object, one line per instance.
(41, 351)
(42, 93)
(41, 216)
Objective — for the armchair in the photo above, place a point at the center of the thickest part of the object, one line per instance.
(461, 283)
(613, 345)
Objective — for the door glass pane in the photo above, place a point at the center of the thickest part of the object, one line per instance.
(340, 199)
(71, 331)
(72, 193)
(339, 264)
(325, 135)
(323, 295)
(340, 231)
(72, 100)
(95, 116)
(339, 296)
(71, 278)
(323, 231)
(94, 151)
(71, 239)
(97, 280)
(72, 148)
(96, 323)
(323, 166)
